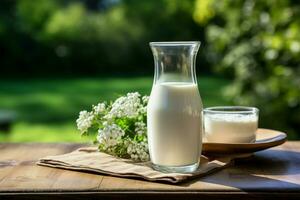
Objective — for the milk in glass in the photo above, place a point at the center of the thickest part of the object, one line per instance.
(230, 124)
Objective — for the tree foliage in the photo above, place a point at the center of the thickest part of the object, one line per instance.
(257, 43)
(92, 37)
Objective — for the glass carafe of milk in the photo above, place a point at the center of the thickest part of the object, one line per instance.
(174, 112)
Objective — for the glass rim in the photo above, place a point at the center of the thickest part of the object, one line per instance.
(231, 110)
(175, 43)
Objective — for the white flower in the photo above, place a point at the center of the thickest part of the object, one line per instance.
(84, 121)
(110, 135)
(99, 109)
(145, 99)
(140, 128)
(143, 108)
(138, 151)
(126, 106)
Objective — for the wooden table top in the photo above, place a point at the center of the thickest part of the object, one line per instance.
(268, 174)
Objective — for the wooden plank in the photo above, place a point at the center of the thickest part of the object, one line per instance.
(271, 170)
(268, 172)
(20, 173)
(275, 169)
(150, 195)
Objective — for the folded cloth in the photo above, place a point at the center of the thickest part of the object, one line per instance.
(91, 160)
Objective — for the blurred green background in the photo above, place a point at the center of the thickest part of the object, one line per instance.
(58, 57)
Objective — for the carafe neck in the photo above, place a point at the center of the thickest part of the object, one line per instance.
(175, 61)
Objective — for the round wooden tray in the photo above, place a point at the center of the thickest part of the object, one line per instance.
(265, 138)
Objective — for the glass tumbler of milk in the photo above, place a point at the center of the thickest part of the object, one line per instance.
(230, 124)
(174, 111)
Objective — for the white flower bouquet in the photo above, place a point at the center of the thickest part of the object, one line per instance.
(120, 127)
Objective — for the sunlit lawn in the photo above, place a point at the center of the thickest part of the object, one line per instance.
(47, 108)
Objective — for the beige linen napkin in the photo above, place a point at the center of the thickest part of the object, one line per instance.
(91, 160)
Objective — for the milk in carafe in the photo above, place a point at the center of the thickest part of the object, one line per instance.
(174, 116)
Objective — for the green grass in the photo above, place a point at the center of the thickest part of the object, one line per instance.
(47, 108)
